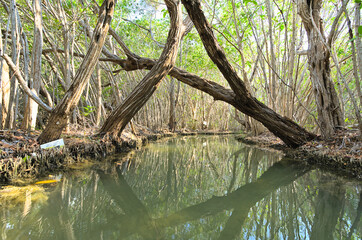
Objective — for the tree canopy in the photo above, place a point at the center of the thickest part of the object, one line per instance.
(294, 66)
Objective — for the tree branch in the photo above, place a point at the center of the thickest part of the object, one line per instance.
(334, 24)
(23, 84)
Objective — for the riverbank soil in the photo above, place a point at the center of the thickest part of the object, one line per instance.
(341, 154)
(21, 156)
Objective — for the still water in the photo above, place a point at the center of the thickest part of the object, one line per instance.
(187, 188)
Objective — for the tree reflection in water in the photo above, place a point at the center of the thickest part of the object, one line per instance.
(200, 188)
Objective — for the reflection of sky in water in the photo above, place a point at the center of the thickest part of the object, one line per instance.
(9, 226)
(183, 188)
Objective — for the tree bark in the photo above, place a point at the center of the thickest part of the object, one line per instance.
(355, 74)
(5, 93)
(119, 118)
(272, 68)
(23, 83)
(31, 111)
(358, 45)
(134, 62)
(291, 133)
(15, 38)
(172, 113)
(215, 90)
(328, 107)
(99, 96)
(58, 118)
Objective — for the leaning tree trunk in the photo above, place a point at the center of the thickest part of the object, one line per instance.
(284, 128)
(218, 92)
(119, 118)
(58, 118)
(328, 107)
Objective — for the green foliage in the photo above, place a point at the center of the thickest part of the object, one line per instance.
(25, 159)
(164, 13)
(360, 30)
(88, 110)
(106, 92)
(250, 1)
(241, 28)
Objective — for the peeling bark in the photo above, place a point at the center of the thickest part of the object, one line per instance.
(328, 107)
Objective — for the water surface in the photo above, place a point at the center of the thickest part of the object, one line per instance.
(188, 188)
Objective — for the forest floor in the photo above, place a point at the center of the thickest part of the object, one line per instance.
(341, 154)
(21, 156)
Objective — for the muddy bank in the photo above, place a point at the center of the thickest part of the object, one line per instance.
(21, 156)
(341, 155)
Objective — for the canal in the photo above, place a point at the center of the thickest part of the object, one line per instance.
(203, 187)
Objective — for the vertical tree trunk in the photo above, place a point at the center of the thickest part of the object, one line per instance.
(5, 93)
(291, 58)
(67, 39)
(26, 61)
(58, 118)
(15, 37)
(172, 114)
(1, 82)
(272, 70)
(359, 52)
(355, 75)
(119, 118)
(328, 107)
(358, 40)
(2, 76)
(31, 111)
(99, 96)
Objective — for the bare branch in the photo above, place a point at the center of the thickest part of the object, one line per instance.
(24, 85)
(335, 22)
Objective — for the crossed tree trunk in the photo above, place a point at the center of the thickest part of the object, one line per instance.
(238, 96)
